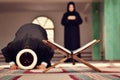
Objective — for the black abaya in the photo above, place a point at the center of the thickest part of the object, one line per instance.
(71, 29)
(29, 36)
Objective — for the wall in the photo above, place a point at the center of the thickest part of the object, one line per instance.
(112, 29)
(10, 21)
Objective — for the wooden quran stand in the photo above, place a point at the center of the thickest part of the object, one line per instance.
(69, 54)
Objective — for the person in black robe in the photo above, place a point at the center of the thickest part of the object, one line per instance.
(29, 36)
(71, 21)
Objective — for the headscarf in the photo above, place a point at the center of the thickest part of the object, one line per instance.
(70, 3)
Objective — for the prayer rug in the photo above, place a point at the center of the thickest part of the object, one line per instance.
(64, 72)
(59, 73)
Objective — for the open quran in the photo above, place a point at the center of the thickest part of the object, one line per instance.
(74, 51)
(71, 54)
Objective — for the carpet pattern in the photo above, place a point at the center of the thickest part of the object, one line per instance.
(61, 72)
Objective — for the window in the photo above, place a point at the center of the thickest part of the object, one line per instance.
(47, 24)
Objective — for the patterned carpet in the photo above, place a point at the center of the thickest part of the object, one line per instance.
(66, 71)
